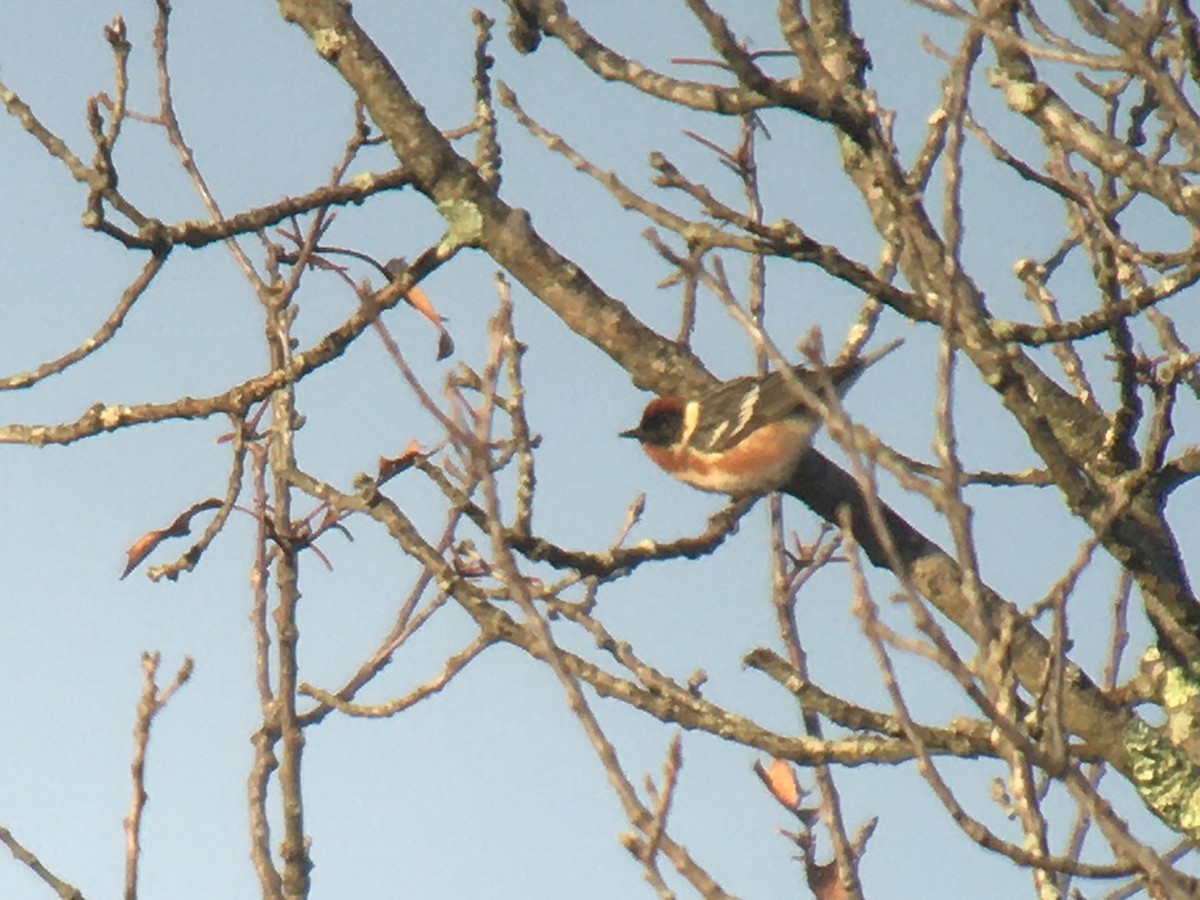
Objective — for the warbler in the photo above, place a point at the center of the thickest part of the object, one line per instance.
(743, 436)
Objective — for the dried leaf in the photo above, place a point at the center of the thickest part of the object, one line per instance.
(420, 301)
(823, 881)
(390, 467)
(782, 782)
(445, 344)
(472, 568)
(182, 526)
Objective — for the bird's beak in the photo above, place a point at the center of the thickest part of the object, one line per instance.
(635, 433)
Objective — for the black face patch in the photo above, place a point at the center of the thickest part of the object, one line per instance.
(659, 427)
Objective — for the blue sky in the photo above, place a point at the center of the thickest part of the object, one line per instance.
(489, 790)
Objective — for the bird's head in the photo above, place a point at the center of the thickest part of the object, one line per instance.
(662, 423)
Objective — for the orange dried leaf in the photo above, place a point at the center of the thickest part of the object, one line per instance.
(390, 467)
(145, 545)
(140, 549)
(782, 782)
(420, 301)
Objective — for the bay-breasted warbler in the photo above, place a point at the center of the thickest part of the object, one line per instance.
(743, 436)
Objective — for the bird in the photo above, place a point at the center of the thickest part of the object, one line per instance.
(744, 436)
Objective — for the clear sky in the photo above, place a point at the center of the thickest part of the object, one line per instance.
(489, 790)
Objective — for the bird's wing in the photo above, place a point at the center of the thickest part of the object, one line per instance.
(740, 406)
